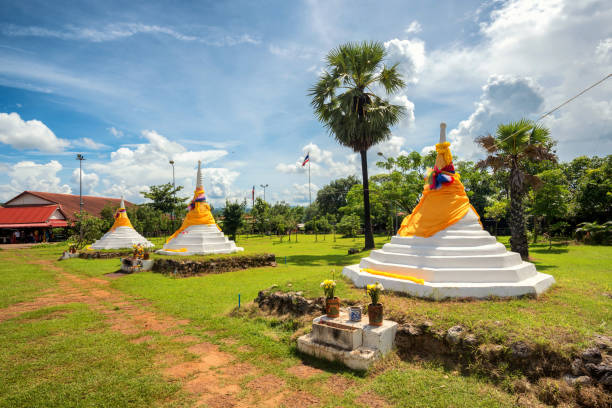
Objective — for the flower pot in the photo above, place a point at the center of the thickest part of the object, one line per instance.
(332, 307)
(375, 314)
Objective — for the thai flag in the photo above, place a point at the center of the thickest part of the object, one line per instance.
(306, 159)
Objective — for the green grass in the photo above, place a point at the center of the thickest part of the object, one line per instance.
(566, 317)
(65, 357)
(20, 282)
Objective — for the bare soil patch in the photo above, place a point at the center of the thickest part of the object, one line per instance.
(304, 371)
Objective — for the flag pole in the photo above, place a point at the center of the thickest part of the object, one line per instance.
(309, 195)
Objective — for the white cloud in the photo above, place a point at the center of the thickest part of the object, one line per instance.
(31, 134)
(563, 45)
(603, 51)
(89, 144)
(115, 132)
(213, 36)
(300, 193)
(411, 56)
(131, 169)
(504, 98)
(401, 99)
(90, 181)
(414, 27)
(28, 175)
(322, 163)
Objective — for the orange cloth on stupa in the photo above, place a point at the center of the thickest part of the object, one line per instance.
(121, 219)
(438, 208)
(199, 213)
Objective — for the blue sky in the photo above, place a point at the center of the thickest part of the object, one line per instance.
(133, 85)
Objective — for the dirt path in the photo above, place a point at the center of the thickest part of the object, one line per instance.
(213, 377)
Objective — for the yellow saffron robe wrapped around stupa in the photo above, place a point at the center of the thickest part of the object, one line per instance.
(444, 201)
(122, 234)
(199, 234)
(199, 213)
(442, 251)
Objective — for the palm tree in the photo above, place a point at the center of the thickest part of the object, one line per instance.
(514, 145)
(345, 102)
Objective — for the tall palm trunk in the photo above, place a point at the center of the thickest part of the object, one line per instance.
(518, 237)
(367, 230)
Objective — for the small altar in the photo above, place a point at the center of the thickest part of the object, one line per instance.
(355, 344)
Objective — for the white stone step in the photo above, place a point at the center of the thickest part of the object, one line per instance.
(445, 241)
(514, 273)
(444, 261)
(496, 248)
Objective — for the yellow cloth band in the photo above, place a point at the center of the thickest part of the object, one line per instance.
(394, 275)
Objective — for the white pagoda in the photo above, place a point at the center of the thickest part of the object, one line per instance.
(442, 251)
(122, 234)
(199, 233)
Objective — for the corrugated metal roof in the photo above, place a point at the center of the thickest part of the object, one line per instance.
(70, 203)
(25, 215)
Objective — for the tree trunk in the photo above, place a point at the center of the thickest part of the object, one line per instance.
(518, 237)
(367, 230)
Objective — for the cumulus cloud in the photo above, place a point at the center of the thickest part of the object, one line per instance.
(29, 175)
(414, 28)
(503, 98)
(133, 168)
(411, 56)
(322, 162)
(89, 181)
(30, 134)
(300, 193)
(88, 143)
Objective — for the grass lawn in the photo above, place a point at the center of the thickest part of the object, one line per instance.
(566, 317)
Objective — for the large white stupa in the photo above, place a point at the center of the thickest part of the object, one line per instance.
(199, 233)
(442, 251)
(121, 234)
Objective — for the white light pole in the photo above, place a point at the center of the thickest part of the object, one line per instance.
(80, 158)
(264, 186)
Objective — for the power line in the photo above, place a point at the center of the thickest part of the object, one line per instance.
(558, 107)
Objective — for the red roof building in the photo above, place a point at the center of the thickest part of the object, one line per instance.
(31, 211)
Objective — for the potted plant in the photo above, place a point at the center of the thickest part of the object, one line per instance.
(375, 309)
(332, 303)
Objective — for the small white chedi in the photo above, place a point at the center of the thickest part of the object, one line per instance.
(121, 234)
(442, 251)
(199, 233)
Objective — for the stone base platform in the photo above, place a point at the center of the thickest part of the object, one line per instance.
(355, 344)
(130, 265)
(533, 285)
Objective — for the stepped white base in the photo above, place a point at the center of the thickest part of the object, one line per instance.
(460, 261)
(534, 285)
(121, 237)
(200, 240)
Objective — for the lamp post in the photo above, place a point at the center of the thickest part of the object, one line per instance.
(264, 188)
(173, 191)
(80, 158)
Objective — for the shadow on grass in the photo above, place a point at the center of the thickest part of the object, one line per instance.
(318, 260)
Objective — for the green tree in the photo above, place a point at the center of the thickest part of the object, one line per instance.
(594, 193)
(497, 210)
(93, 229)
(333, 196)
(344, 102)
(163, 198)
(349, 225)
(514, 145)
(477, 182)
(550, 200)
(261, 216)
(354, 204)
(232, 217)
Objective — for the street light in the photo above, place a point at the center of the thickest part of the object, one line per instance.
(173, 191)
(264, 188)
(80, 158)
